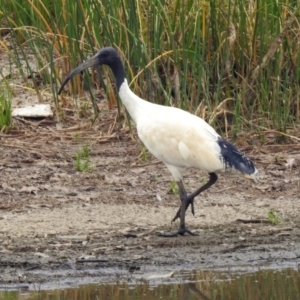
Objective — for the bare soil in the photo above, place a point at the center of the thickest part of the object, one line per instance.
(53, 218)
(61, 225)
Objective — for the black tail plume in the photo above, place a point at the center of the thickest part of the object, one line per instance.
(233, 158)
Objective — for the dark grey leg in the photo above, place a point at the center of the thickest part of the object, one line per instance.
(190, 198)
(181, 213)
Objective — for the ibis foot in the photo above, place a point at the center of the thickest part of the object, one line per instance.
(181, 231)
(190, 201)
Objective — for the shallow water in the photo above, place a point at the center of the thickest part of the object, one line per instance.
(197, 284)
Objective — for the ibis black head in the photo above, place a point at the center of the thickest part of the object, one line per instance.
(106, 56)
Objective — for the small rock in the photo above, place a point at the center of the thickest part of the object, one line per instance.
(33, 111)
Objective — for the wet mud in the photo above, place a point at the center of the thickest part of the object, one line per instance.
(61, 227)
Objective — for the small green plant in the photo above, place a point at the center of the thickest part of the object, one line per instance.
(82, 160)
(278, 159)
(76, 137)
(84, 110)
(81, 165)
(273, 217)
(85, 152)
(203, 180)
(174, 188)
(63, 255)
(144, 154)
(5, 109)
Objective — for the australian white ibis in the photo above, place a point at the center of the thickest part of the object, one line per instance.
(177, 138)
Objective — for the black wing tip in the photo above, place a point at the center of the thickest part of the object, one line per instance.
(247, 168)
(233, 158)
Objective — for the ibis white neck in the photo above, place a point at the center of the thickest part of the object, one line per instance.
(135, 105)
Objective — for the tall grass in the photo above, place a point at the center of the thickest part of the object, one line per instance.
(232, 62)
(5, 108)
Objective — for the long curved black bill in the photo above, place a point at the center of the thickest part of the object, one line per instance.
(87, 64)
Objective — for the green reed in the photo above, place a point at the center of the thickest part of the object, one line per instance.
(236, 60)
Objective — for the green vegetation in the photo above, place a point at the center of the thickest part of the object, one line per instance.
(144, 154)
(5, 108)
(174, 189)
(273, 217)
(203, 180)
(82, 160)
(235, 63)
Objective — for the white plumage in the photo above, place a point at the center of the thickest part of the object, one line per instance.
(177, 138)
(174, 136)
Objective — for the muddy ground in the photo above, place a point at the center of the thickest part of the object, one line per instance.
(59, 226)
(104, 222)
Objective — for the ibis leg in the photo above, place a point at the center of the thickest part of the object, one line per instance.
(190, 198)
(184, 204)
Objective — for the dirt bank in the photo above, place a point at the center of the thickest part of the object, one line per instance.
(53, 217)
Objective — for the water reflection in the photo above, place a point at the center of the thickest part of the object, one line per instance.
(260, 285)
(204, 285)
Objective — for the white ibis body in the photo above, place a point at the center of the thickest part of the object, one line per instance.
(177, 138)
